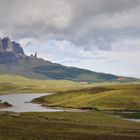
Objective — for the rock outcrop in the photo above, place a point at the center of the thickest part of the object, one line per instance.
(6, 45)
(17, 48)
(10, 51)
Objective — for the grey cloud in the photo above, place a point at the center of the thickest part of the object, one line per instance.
(91, 24)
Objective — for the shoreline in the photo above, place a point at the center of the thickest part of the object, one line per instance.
(84, 108)
(5, 105)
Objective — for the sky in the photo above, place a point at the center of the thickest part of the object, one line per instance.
(99, 35)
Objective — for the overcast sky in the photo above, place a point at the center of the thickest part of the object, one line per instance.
(100, 35)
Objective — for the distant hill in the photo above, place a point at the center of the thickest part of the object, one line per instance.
(13, 60)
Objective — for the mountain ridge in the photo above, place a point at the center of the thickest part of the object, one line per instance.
(13, 60)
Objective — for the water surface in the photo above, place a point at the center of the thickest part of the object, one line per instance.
(21, 103)
(128, 119)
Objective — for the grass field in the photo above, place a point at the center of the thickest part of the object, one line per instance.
(66, 126)
(91, 125)
(18, 84)
(109, 97)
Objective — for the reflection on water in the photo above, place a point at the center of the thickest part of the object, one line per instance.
(21, 103)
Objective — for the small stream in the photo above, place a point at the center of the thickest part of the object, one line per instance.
(134, 120)
(128, 119)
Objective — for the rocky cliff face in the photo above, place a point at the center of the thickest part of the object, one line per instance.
(10, 51)
(17, 48)
(6, 45)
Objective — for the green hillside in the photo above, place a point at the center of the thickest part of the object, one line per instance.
(36, 68)
(56, 71)
(19, 84)
(115, 97)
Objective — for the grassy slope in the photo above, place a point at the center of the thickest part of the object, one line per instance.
(115, 97)
(76, 95)
(66, 126)
(56, 71)
(19, 84)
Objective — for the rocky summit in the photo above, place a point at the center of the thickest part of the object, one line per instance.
(6, 45)
(10, 51)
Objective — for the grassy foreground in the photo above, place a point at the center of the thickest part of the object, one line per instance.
(66, 126)
(107, 98)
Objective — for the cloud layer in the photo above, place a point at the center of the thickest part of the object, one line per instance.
(87, 26)
(90, 23)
